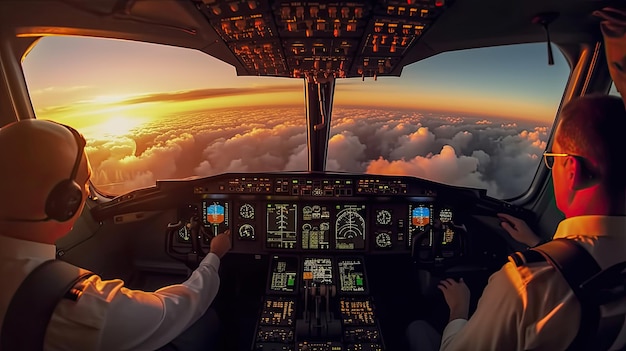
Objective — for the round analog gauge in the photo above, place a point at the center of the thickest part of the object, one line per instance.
(383, 240)
(445, 215)
(246, 211)
(383, 217)
(246, 231)
(306, 211)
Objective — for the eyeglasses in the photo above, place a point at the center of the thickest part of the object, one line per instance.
(548, 158)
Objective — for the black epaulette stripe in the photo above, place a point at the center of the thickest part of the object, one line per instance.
(522, 258)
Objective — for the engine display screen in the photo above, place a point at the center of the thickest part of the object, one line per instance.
(350, 227)
(284, 271)
(282, 221)
(215, 216)
(318, 270)
(351, 275)
(420, 220)
(315, 227)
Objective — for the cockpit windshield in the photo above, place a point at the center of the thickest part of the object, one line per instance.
(479, 118)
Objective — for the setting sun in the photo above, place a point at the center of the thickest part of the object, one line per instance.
(115, 126)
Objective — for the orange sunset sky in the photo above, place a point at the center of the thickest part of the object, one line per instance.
(124, 84)
(478, 118)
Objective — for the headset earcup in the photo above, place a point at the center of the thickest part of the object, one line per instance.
(64, 200)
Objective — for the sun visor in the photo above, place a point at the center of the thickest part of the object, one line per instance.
(613, 26)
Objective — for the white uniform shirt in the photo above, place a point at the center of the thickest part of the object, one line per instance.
(532, 307)
(109, 316)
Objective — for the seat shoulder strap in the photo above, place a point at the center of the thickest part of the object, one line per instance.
(574, 263)
(31, 307)
(577, 266)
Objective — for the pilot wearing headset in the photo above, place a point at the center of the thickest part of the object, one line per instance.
(43, 188)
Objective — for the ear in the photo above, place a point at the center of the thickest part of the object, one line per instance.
(581, 177)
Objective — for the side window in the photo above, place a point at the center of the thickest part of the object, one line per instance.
(477, 118)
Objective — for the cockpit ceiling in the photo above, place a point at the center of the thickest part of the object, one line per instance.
(310, 39)
(320, 39)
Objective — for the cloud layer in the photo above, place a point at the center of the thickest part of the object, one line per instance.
(499, 156)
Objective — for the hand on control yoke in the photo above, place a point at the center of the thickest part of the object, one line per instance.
(519, 230)
(221, 244)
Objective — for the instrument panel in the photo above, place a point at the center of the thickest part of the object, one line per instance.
(320, 249)
(315, 226)
(317, 213)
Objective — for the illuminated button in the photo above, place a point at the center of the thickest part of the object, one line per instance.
(285, 12)
(332, 12)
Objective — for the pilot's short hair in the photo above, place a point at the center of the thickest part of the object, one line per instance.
(594, 127)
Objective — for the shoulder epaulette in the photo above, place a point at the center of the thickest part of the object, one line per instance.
(31, 307)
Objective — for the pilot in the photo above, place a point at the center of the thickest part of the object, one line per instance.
(532, 307)
(38, 159)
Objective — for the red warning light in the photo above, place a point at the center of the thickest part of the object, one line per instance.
(440, 3)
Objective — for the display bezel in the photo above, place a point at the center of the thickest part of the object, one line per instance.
(298, 270)
(412, 229)
(296, 217)
(363, 213)
(333, 271)
(222, 226)
(340, 291)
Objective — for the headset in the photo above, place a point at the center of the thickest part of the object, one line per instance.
(65, 198)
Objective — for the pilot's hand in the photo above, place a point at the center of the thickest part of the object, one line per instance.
(519, 230)
(457, 296)
(221, 244)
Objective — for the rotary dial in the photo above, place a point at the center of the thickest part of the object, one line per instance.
(246, 211)
(383, 240)
(246, 231)
(383, 217)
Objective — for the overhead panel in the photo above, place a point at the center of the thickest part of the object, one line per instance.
(321, 39)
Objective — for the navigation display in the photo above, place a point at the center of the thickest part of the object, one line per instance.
(282, 221)
(351, 275)
(284, 271)
(420, 220)
(350, 227)
(315, 227)
(318, 270)
(215, 216)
